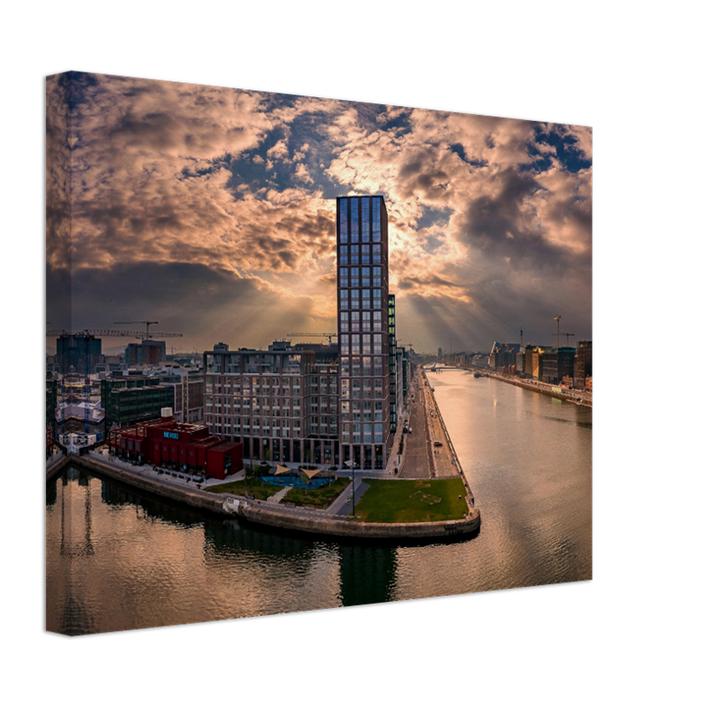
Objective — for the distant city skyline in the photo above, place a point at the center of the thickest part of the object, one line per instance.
(212, 211)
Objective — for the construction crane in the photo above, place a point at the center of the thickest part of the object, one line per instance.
(330, 337)
(147, 335)
(557, 319)
(567, 338)
(105, 332)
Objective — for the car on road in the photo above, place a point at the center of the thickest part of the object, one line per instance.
(410, 430)
(438, 444)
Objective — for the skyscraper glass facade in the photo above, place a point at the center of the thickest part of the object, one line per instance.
(363, 330)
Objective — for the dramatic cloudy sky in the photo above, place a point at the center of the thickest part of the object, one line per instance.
(211, 211)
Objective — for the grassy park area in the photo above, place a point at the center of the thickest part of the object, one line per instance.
(316, 498)
(412, 500)
(385, 501)
(313, 498)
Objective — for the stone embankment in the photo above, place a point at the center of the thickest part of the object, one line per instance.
(276, 516)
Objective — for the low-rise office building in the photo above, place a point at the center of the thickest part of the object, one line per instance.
(175, 445)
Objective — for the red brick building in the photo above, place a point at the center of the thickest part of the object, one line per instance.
(180, 446)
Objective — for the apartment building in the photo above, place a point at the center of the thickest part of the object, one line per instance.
(281, 403)
(321, 404)
(363, 307)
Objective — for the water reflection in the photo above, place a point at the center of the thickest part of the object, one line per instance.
(367, 575)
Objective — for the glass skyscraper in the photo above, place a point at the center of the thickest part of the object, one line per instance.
(363, 330)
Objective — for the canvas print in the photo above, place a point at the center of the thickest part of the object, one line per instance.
(306, 353)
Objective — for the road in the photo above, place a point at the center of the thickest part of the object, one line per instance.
(423, 460)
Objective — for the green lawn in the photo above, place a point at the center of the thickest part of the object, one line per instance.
(412, 501)
(315, 498)
(386, 501)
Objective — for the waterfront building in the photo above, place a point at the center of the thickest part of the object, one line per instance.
(393, 364)
(532, 362)
(282, 403)
(583, 363)
(362, 310)
(175, 445)
(503, 357)
(566, 362)
(557, 363)
(549, 364)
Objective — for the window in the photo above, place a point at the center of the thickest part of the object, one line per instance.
(376, 227)
(378, 366)
(365, 219)
(367, 366)
(354, 220)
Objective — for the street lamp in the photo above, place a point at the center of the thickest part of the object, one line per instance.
(352, 466)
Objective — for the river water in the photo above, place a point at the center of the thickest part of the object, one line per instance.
(118, 559)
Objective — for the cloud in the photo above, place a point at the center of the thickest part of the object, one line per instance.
(490, 218)
(203, 304)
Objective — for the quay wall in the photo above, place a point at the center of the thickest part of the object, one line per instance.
(273, 515)
(529, 386)
(212, 502)
(254, 513)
